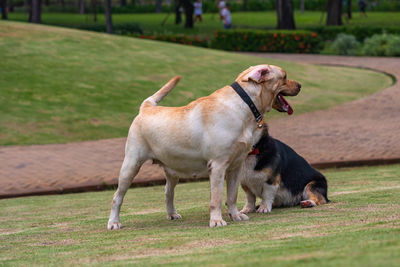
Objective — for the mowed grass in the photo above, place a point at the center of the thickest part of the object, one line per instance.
(151, 23)
(359, 227)
(60, 85)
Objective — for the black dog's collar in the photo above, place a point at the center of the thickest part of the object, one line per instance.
(246, 98)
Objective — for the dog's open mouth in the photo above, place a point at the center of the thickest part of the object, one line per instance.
(284, 105)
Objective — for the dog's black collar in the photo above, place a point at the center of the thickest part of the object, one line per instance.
(246, 98)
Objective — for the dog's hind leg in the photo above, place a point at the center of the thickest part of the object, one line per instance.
(134, 158)
(311, 195)
(128, 172)
(172, 214)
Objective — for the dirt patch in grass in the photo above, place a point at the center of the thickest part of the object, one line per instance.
(4, 34)
(143, 212)
(305, 234)
(55, 243)
(210, 243)
(383, 188)
(303, 256)
(178, 251)
(9, 231)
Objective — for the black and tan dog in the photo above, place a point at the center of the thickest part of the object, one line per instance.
(280, 177)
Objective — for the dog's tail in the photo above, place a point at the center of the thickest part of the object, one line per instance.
(160, 94)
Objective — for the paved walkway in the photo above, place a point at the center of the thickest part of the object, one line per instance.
(368, 128)
(365, 129)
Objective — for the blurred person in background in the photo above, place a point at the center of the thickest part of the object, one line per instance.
(226, 17)
(198, 11)
(221, 6)
(362, 4)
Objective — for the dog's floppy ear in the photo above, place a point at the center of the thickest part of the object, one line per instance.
(257, 75)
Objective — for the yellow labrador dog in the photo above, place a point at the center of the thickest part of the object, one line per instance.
(210, 136)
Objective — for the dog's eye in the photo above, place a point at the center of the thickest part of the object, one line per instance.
(284, 77)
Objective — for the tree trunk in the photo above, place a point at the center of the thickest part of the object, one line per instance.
(122, 3)
(94, 8)
(189, 10)
(10, 6)
(244, 5)
(81, 6)
(302, 6)
(29, 4)
(178, 15)
(107, 9)
(349, 14)
(284, 9)
(35, 15)
(3, 6)
(46, 2)
(62, 5)
(334, 12)
(158, 6)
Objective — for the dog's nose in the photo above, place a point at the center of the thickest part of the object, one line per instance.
(299, 86)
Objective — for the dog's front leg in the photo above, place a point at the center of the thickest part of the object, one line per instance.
(267, 198)
(232, 185)
(217, 176)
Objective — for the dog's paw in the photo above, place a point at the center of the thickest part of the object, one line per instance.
(217, 223)
(239, 217)
(246, 210)
(263, 209)
(307, 204)
(114, 225)
(174, 216)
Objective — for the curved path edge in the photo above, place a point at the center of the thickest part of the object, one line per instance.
(363, 132)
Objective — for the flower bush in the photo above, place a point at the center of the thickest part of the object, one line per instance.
(267, 41)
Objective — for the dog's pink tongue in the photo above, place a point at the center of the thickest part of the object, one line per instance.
(286, 106)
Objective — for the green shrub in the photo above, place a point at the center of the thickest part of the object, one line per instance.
(384, 5)
(178, 38)
(393, 46)
(382, 45)
(123, 28)
(360, 32)
(345, 44)
(267, 41)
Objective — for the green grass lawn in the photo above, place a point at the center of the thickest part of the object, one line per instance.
(151, 23)
(61, 85)
(359, 227)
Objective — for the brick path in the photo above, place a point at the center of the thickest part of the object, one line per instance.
(365, 129)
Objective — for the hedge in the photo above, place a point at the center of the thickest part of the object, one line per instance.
(267, 41)
(360, 32)
(178, 38)
(123, 28)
